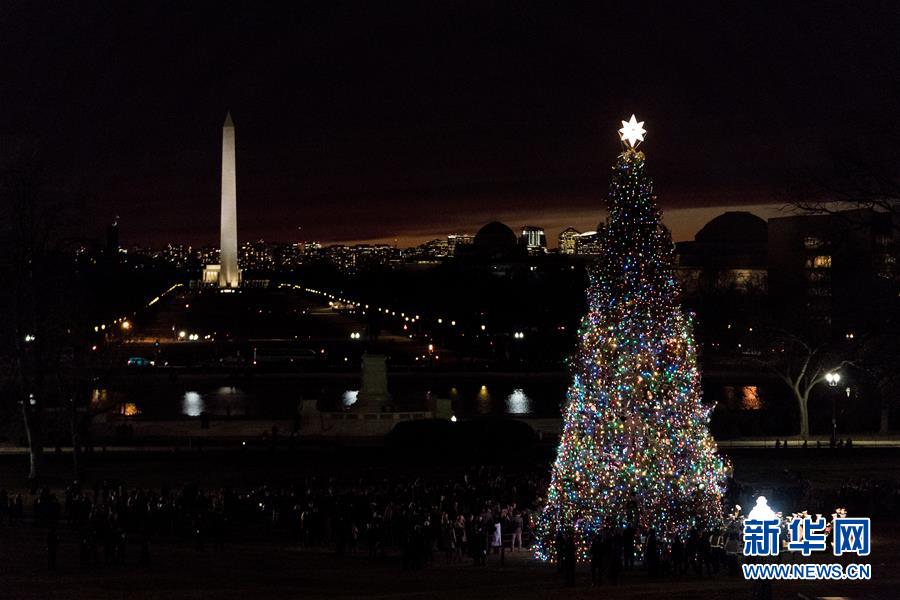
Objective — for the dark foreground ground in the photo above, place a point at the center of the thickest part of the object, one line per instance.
(276, 571)
(274, 568)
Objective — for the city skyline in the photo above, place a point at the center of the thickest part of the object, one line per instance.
(683, 224)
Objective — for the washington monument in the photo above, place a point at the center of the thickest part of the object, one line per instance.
(229, 274)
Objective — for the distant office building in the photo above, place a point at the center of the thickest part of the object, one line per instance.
(431, 249)
(368, 256)
(256, 256)
(534, 239)
(831, 274)
(567, 242)
(728, 253)
(589, 243)
(455, 240)
(286, 256)
(341, 256)
(178, 255)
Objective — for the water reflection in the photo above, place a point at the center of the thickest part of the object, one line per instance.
(517, 403)
(349, 398)
(98, 397)
(484, 401)
(192, 404)
(278, 399)
(129, 409)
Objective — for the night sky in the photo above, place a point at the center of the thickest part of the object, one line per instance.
(385, 120)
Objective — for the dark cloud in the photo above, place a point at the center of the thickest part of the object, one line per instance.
(379, 120)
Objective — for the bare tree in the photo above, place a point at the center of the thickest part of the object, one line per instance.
(37, 268)
(802, 367)
(861, 172)
(879, 359)
(862, 184)
(853, 181)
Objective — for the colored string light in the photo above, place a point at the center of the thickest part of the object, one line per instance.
(635, 447)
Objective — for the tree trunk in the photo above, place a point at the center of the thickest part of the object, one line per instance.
(35, 444)
(804, 417)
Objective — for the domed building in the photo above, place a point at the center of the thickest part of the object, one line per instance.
(729, 251)
(496, 241)
(734, 228)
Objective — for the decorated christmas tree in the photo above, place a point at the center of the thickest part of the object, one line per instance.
(635, 447)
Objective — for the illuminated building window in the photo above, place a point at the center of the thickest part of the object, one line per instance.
(822, 261)
(811, 242)
(750, 399)
(744, 397)
(99, 396)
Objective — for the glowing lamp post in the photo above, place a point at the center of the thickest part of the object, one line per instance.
(833, 379)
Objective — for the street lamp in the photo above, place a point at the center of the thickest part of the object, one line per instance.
(833, 378)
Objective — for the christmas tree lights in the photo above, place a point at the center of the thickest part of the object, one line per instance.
(635, 447)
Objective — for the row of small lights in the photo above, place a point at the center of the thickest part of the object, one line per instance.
(519, 335)
(849, 335)
(168, 291)
(123, 322)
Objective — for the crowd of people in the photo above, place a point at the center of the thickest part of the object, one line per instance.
(833, 442)
(465, 517)
(703, 552)
(477, 515)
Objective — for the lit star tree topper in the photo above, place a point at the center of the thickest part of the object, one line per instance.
(635, 447)
(632, 132)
